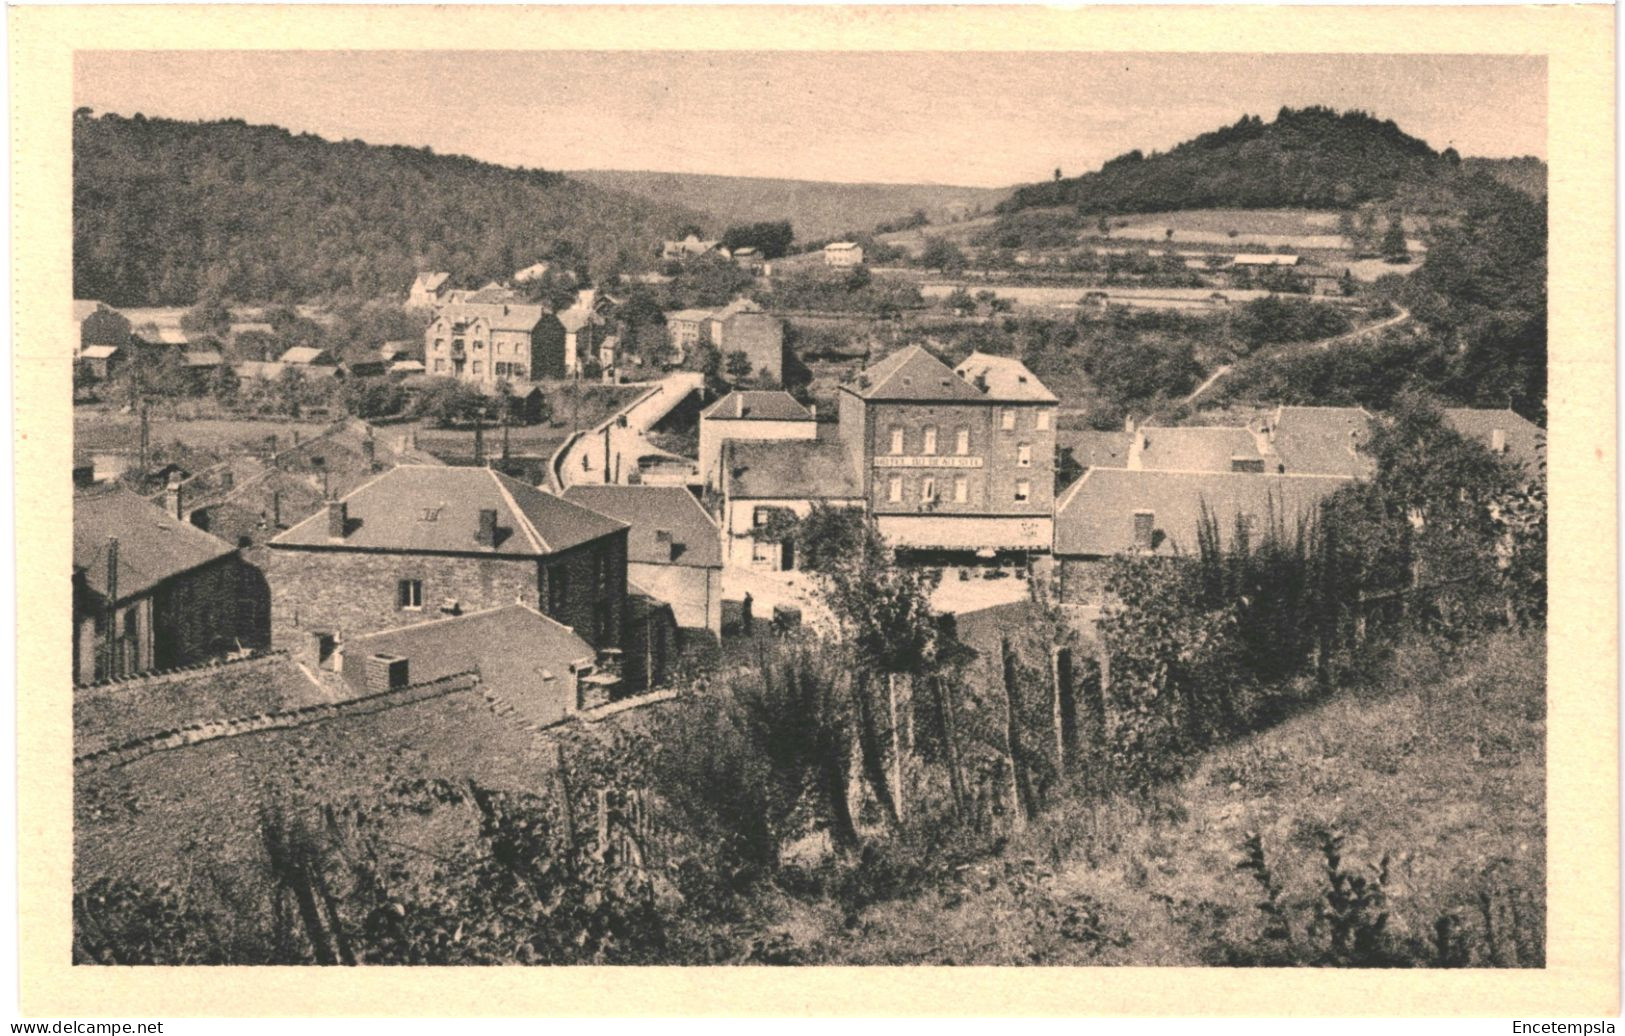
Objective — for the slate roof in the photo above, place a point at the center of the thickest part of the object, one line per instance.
(1322, 440)
(407, 367)
(202, 358)
(152, 544)
(695, 540)
(103, 352)
(1196, 449)
(1525, 440)
(800, 469)
(509, 316)
(689, 314)
(1007, 378)
(1095, 517)
(430, 281)
(83, 308)
(1093, 449)
(734, 308)
(420, 507)
(758, 405)
(523, 656)
(912, 373)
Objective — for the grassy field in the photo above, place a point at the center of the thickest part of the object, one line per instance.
(109, 430)
(1438, 768)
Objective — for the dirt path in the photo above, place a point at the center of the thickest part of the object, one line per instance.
(1325, 343)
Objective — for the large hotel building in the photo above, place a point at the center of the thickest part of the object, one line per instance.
(953, 459)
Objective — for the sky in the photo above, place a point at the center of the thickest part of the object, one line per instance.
(961, 118)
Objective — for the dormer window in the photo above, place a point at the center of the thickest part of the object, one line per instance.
(429, 514)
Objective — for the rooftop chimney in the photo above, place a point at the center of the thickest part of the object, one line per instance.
(172, 496)
(487, 536)
(1498, 440)
(369, 450)
(338, 519)
(1128, 423)
(387, 672)
(1245, 463)
(1145, 523)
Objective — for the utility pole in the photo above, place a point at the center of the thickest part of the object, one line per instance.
(110, 644)
(143, 458)
(479, 437)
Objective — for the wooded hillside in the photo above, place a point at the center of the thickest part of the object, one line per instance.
(1311, 157)
(167, 211)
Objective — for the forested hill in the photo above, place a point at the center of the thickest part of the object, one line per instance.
(165, 211)
(1306, 158)
(1527, 174)
(816, 209)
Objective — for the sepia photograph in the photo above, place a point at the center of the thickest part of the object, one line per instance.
(727, 507)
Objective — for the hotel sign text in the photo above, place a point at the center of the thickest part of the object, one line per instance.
(928, 462)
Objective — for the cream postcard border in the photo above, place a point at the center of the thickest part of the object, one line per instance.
(1581, 977)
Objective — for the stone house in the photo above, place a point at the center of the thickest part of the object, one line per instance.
(750, 414)
(953, 459)
(420, 541)
(767, 482)
(843, 254)
(151, 591)
(674, 548)
(486, 342)
(1111, 511)
(428, 290)
(742, 326)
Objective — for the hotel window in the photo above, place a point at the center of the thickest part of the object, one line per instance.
(961, 489)
(928, 491)
(896, 440)
(1041, 422)
(1007, 418)
(894, 489)
(1024, 455)
(930, 447)
(409, 594)
(962, 441)
(1024, 489)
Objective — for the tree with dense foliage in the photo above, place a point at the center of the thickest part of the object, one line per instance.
(255, 213)
(942, 254)
(771, 238)
(1394, 247)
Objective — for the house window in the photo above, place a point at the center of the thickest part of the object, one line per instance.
(439, 344)
(961, 489)
(928, 491)
(478, 344)
(930, 447)
(518, 370)
(760, 515)
(1007, 418)
(1041, 422)
(894, 489)
(457, 345)
(1024, 489)
(896, 440)
(478, 366)
(439, 366)
(962, 441)
(1024, 455)
(409, 594)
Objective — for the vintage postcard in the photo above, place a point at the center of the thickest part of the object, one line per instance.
(761, 490)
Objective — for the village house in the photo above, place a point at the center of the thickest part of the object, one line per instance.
(581, 322)
(533, 272)
(688, 248)
(535, 665)
(1505, 433)
(768, 485)
(742, 327)
(101, 360)
(953, 459)
(750, 414)
(673, 548)
(428, 290)
(1319, 440)
(486, 342)
(752, 261)
(97, 324)
(150, 591)
(843, 254)
(306, 356)
(422, 541)
(1112, 511)
(684, 330)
